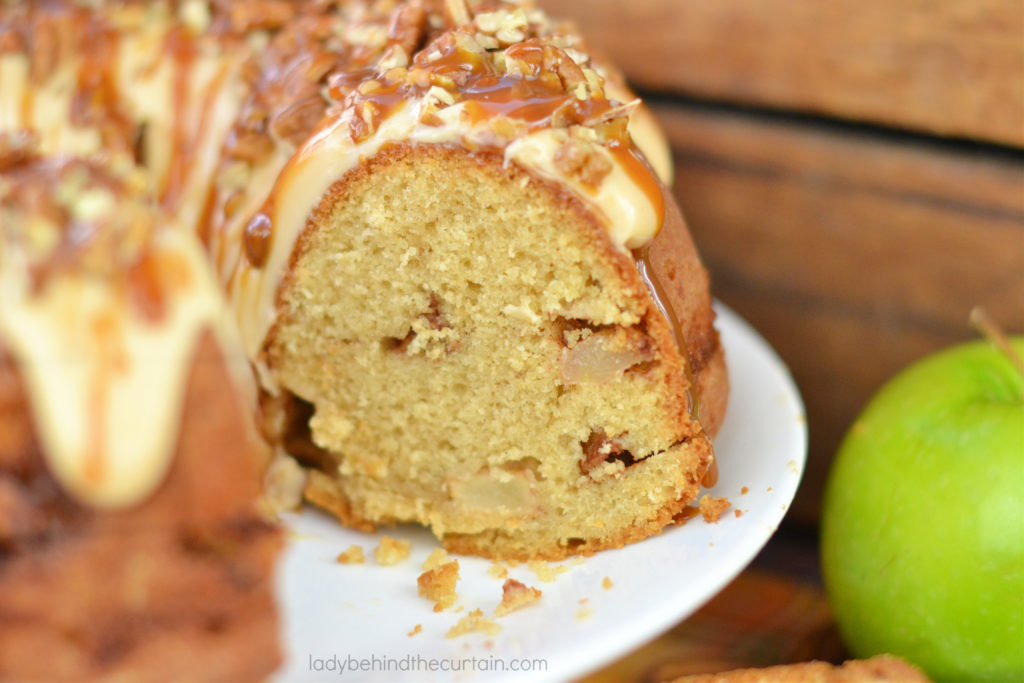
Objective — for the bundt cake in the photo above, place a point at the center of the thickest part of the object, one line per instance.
(469, 300)
(130, 543)
(453, 289)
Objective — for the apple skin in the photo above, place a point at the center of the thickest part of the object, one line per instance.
(923, 519)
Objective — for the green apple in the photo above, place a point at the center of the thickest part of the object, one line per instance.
(923, 518)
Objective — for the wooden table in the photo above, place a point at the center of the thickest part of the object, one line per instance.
(775, 612)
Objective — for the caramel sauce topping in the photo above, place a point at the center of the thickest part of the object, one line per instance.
(641, 173)
(547, 91)
(258, 234)
(112, 240)
(710, 477)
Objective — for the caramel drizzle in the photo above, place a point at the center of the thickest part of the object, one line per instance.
(90, 248)
(181, 47)
(641, 257)
(542, 98)
(642, 175)
(104, 330)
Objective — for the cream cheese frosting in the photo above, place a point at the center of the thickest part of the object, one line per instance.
(102, 313)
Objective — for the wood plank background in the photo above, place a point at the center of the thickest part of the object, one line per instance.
(854, 253)
(833, 213)
(950, 67)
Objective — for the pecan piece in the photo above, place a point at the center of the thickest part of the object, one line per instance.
(408, 26)
(598, 448)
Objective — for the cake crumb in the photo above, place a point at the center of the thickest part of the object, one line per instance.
(583, 601)
(744, 491)
(711, 508)
(418, 628)
(738, 513)
(515, 595)
(578, 560)
(606, 583)
(436, 558)
(438, 584)
(391, 551)
(474, 622)
(283, 484)
(546, 572)
(353, 555)
(584, 614)
(497, 570)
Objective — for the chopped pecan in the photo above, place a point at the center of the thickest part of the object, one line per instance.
(249, 146)
(45, 51)
(17, 147)
(408, 26)
(457, 13)
(598, 448)
(260, 14)
(296, 121)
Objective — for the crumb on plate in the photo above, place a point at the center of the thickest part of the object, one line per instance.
(515, 595)
(474, 622)
(545, 572)
(353, 555)
(438, 584)
(391, 551)
(711, 508)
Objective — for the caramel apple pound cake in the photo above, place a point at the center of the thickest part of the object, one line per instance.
(469, 300)
(130, 544)
(472, 303)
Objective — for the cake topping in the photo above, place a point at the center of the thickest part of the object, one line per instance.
(102, 306)
(500, 79)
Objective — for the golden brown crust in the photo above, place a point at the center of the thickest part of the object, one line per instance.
(324, 492)
(676, 264)
(178, 587)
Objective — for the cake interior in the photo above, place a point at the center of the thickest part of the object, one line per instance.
(479, 359)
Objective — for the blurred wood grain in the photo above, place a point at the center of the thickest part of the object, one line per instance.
(760, 619)
(950, 68)
(853, 252)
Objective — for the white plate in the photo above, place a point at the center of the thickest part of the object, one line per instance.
(338, 618)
